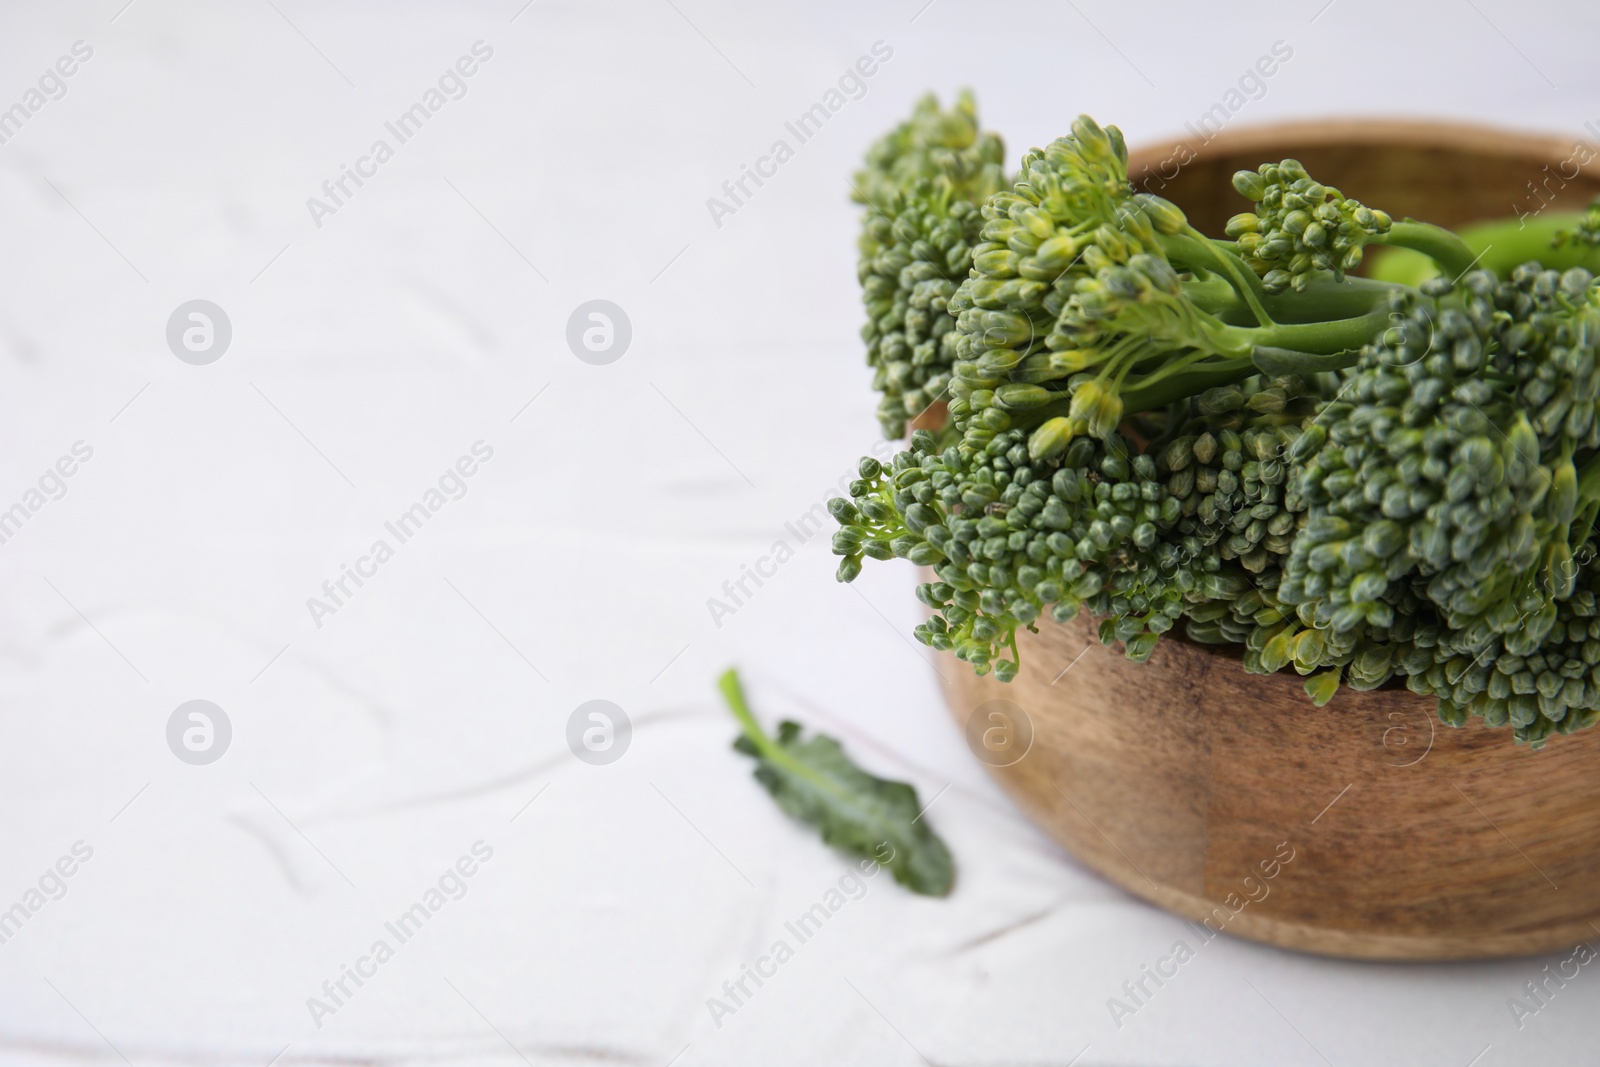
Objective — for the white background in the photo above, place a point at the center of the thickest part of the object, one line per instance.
(372, 351)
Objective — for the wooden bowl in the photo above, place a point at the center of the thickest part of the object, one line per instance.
(1363, 829)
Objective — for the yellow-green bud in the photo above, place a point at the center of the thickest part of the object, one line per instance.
(1051, 438)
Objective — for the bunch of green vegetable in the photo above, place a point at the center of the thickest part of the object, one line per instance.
(1370, 480)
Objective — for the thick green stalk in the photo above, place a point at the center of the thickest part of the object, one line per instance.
(1319, 338)
(1186, 384)
(1333, 341)
(1327, 299)
(1191, 248)
(1509, 243)
(1324, 300)
(1311, 339)
(1502, 246)
(1452, 254)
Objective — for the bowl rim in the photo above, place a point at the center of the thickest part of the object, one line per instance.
(1414, 134)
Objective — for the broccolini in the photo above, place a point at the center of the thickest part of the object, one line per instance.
(1370, 481)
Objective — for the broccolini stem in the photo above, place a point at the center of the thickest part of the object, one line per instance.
(770, 750)
(1326, 299)
(1589, 480)
(1503, 245)
(1452, 254)
(1189, 383)
(733, 693)
(1323, 300)
(1203, 252)
(1272, 360)
(1320, 338)
(1321, 346)
(1507, 244)
(1316, 346)
(1588, 506)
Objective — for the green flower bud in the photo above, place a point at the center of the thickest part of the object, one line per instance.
(1321, 687)
(1245, 223)
(877, 548)
(1275, 653)
(1221, 400)
(1051, 438)
(1093, 141)
(842, 510)
(1368, 586)
(1016, 396)
(1164, 215)
(1000, 262)
(1057, 254)
(1250, 185)
(1564, 494)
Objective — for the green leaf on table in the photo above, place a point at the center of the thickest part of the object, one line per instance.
(814, 781)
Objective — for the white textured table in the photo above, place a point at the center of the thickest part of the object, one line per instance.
(415, 724)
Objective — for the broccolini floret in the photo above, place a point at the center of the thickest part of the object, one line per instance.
(922, 186)
(1089, 302)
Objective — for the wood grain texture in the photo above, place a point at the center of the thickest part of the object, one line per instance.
(1180, 778)
(1185, 780)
